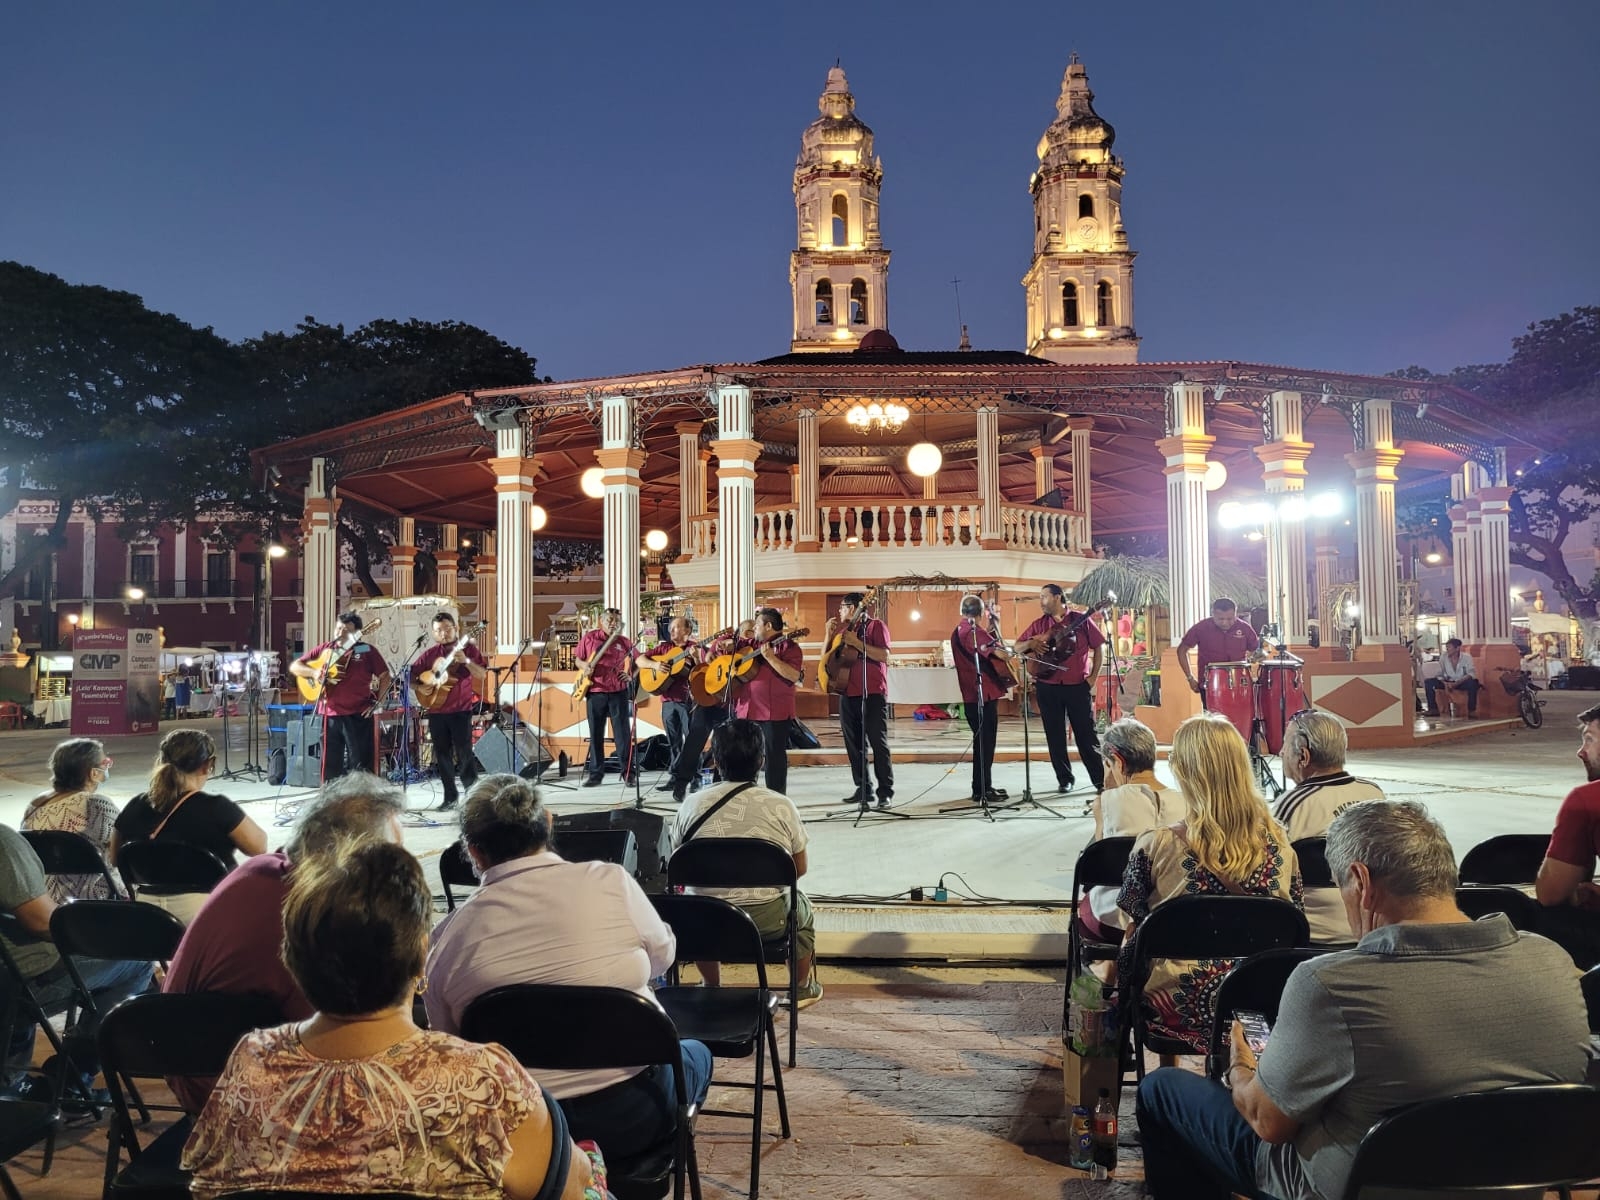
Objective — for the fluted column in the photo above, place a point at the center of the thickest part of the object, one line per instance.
(1327, 574)
(513, 485)
(1283, 462)
(1374, 465)
(484, 570)
(737, 451)
(1461, 565)
(691, 482)
(319, 547)
(621, 464)
(448, 556)
(990, 533)
(1082, 498)
(403, 559)
(1044, 469)
(1188, 523)
(1494, 508)
(807, 482)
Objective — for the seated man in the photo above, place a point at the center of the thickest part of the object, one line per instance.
(1566, 877)
(1314, 747)
(1427, 1005)
(23, 894)
(738, 808)
(1456, 673)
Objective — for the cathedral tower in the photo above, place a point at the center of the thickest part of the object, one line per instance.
(840, 271)
(1080, 286)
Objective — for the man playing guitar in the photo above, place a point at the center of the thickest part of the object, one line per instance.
(982, 682)
(676, 705)
(605, 656)
(768, 697)
(450, 725)
(864, 706)
(1066, 661)
(353, 676)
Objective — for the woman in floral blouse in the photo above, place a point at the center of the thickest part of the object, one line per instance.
(78, 766)
(1229, 845)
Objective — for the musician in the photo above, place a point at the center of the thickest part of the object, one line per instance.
(450, 725)
(767, 698)
(1223, 637)
(982, 687)
(703, 721)
(1065, 667)
(608, 695)
(864, 706)
(677, 706)
(354, 678)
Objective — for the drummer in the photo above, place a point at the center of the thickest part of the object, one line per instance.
(1221, 638)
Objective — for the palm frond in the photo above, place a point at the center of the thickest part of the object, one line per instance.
(1143, 582)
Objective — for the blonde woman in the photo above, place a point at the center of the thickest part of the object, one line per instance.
(1228, 845)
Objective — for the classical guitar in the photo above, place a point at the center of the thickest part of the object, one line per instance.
(330, 662)
(433, 686)
(738, 666)
(833, 669)
(704, 694)
(996, 659)
(585, 680)
(1061, 643)
(672, 663)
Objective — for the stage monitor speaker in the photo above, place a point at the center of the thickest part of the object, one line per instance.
(649, 829)
(600, 845)
(494, 753)
(304, 738)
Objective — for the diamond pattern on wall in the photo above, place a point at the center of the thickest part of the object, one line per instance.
(1360, 701)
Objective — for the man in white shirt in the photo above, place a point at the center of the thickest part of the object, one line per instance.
(1314, 747)
(1456, 673)
(737, 808)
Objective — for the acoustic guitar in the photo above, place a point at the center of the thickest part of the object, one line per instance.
(833, 669)
(672, 663)
(330, 662)
(433, 686)
(1061, 643)
(585, 680)
(738, 666)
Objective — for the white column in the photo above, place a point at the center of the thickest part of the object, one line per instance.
(1188, 523)
(737, 450)
(1284, 472)
(91, 528)
(806, 481)
(513, 485)
(691, 482)
(8, 558)
(484, 569)
(319, 548)
(180, 561)
(403, 559)
(1461, 576)
(1494, 548)
(990, 533)
(621, 464)
(1044, 469)
(448, 556)
(1082, 496)
(1374, 464)
(1327, 573)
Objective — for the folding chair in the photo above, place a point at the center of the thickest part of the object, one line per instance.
(1255, 985)
(1509, 858)
(1202, 927)
(1312, 855)
(1101, 864)
(455, 868)
(64, 853)
(1495, 1142)
(159, 1034)
(747, 863)
(23, 1125)
(1591, 997)
(22, 1004)
(169, 868)
(733, 1022)
(554, 1027)
(1479, 900)
(600, 845)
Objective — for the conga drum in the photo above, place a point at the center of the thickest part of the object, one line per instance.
(1231, 692)
(1282, 695)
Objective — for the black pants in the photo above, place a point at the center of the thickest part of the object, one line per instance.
(1059, 704)
(869, 715)
(984, 721)
(675, 718)
(612, 706)
(775, 734)
(701, 723)
(347, 746)
(452, 751)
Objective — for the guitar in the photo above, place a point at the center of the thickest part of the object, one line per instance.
(737, 666)
(585, 680)
(1061, 643)
(996, 658)
(433, 687)
(330, 662)
(672, 663)
(833, 670)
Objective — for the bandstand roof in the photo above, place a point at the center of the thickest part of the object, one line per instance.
(431, 460)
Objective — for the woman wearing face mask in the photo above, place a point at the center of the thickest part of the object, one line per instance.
(79, 767)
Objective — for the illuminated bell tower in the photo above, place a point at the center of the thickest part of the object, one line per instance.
(840, 271)
(1080, 286)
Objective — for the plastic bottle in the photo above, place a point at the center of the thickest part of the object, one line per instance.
(1105, 1132)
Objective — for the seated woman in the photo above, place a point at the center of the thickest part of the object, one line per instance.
(357, 1098)
(1229, 845)
(1134, 802)
(177, 808)
(78, 766)
(540, 919)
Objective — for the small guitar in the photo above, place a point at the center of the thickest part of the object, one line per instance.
(1061, 643)
(330, 662)
(996, 658)
(433, 686)
(585, 680)
(833, 669)
(672, 663)
(738, 666)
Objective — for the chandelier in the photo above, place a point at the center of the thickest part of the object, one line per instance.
(878, 418)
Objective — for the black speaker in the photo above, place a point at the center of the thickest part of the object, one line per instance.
(494, 753)
(303, 739)
(649, 829)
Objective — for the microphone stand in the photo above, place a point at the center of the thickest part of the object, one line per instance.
(538, 690)
(405, 770)
(516, 691)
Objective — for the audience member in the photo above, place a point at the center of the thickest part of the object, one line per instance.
(1456, 674)
(1427, 1005)
(1230, 845)
(1314, 747)
(177, 807)
(1134, 802)
(738, 808)
(357, 1098)
(1566, 884)
(540, 919)
(78, 766)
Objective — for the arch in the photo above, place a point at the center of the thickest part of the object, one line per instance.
(840, 223)
(1105, 308)
(823, 314)
(1069, 304)
(1085, 205)
(858, 302)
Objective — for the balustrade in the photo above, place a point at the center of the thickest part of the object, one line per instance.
(904, 525)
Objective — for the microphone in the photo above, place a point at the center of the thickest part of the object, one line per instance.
(421, 637)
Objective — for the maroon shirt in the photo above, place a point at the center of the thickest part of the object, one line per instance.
(1074, 669)
(769, 696)
(611, 672)
(350, 694)
(1215, 645)
(462, 696)
(1576, 840)
(873, 633)
(968, 637)
(676, 691)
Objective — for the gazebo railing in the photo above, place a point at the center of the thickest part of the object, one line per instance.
(905, 525)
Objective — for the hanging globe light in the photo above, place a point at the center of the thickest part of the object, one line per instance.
(656, 541)
(537, 518)
(924, 459)
(593, 483)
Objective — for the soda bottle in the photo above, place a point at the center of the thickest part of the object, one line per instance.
(1081, 1146)
(1105, 1132)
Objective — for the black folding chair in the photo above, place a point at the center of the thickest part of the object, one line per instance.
(22, 1005)
(733, 1022)
(64, 853)
(158, 1035)
(1495, 1142)
(554, 1027)
(1254, 985)
(1509, 858)
(169, 868)
(747, 863)
(1100, 864)
(1479, 900)
(455, 870)
(23, 1125)
(1202, 927)
(600, 845)
(1312, 855)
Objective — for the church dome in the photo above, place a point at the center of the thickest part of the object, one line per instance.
(1078, 134)
(878, 341)
(838, 135)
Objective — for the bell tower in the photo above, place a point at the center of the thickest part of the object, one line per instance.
(839, 271)
(1080, 285)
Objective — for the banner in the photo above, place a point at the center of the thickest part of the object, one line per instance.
(116, 682)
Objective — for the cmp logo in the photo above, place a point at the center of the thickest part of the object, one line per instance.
(99, 662)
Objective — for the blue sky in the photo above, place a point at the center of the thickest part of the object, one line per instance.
(1351, 186)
